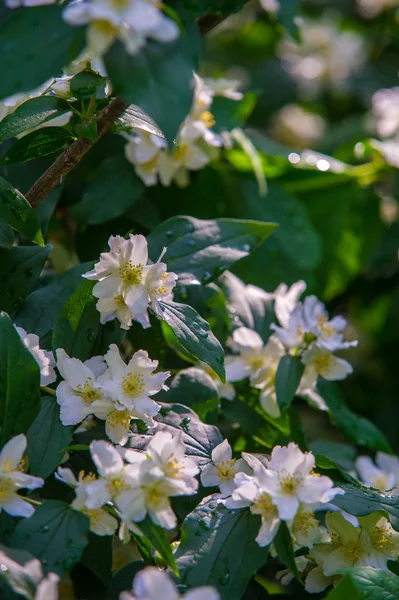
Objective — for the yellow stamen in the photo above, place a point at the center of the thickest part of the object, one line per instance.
(131, 274)
(133, 384)
(88, 392)
(226, 469)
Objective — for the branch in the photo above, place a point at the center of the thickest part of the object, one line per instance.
(73, 155)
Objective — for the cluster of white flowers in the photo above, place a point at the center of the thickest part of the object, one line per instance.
(196, 144)
(325, 57)
(130, 21)
(285, 488)
(153, 584)
(128, 283)
(13, 479)
(133, 484)
(384, 475)
(386, 113)
(304, 330)
(111, 390)
(369, 541)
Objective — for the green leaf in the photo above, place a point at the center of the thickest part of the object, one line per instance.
(38, 143)
(77, 326)
(88, 131)
(39, 42)
(159, 78)
(7, 236)
(195, 335)
(42, 306)
(359, 501)
(288, 376)
(364, 582)
(200, 250)
(46, 438)
(19, 383)
(218, 548)
(135, 118)
(341, 454)
(283, 545)
(160, 541)
(32, 113)
(113, 178)
(18, 213)
(199, 438)
(86, 84)
(19, 269)
(97, 556)
(56, 534)
(356, 429)
(286, 15)
(196, 389)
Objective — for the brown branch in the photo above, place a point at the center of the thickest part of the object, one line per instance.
(73, 154)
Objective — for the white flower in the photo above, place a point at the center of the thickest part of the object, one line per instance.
(223, 468)
(101, 522)
(44, 358)
(292, 333)
(224, 390)
(286, 576)
(127, 283)
(272, 6)
(385, 104)
(305, 528)
(319, 361)
(382, 538)
(290, 480)
(384, 475)
(167, 452)
(131, 21)
(12, 479)
(132, 385)
(372, 8)
(82, 392)
(153, 584)
(297, 127)
(325, 57)
(28, 580)
(228, 88)
(250, 491)
(328, 333)
(144, 151)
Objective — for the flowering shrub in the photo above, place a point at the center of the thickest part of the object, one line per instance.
(175, 267)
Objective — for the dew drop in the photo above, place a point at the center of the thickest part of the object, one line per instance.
(184, 423)
(207, 277)
(246, 248)
(169, 233)
(224, 579)
(91, 336)
(203, 334)
(44, 529)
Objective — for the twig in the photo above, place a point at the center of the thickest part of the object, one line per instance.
(72, 156)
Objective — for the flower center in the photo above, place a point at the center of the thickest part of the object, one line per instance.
(7, 489)
(133, 384)
(120, 4)
(226, 469)
(131, 274)
(154, 496)
(86, 479)
(180, 152)
(172, 469)
(289, 484)
(207, 118)
(256, 362)
(119, 301)
(381, 538)
(321, 363)
(380, 482)
(263, 506)
(88, 392)
(304, 521)
(163, 289)
(351, 550)
(116, 486)
(119, 417)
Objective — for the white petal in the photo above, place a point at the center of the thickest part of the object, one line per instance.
(17, 507)
(152, 584)
(107, 460)
(222, 452)
(12, 453)
(247, 338)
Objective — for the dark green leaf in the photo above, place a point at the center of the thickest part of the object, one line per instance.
(78, 324)
(200, 250)
(288, 376)
(18, 212)
(160, 541)
(360, 501)
(97, 556)
(200, 439)
(159, 78)
(38, 143)
(196, 389)
(19, 383)
(283, 545)
(39, 40)
(135, 118)
(86, 84)
(195, 335)
(218, 548)
(286, 15)
(343, 455)
(32, 113)
(46, 438)
(7, 237)
(113, 188)
(356, 429)
(56, 534)
(122, 580)
(88, 131)
(364, 582)
(19, 269)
